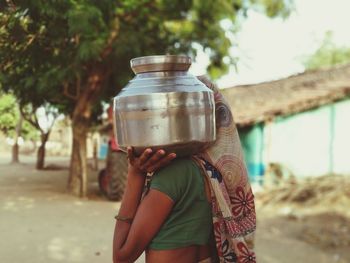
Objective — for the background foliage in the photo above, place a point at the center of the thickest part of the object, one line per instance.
(327, 55)
(74, 54)
(47, 46)
(9, 116)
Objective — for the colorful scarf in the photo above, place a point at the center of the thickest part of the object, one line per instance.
(232, 199)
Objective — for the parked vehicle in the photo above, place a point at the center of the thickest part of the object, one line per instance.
(112, 178)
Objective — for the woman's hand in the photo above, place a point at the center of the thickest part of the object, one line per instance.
(149, 161)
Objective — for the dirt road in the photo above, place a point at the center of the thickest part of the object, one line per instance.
(41, 223)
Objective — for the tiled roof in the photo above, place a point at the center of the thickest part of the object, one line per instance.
(260, 102)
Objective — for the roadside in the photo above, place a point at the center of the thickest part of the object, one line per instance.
(305, 221)
(41, 223)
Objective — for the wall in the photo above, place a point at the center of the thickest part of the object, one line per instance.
(311, 143)
(341, 144)
(252, 144)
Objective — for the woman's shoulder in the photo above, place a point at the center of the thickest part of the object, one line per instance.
(179, 165)
(176, 177)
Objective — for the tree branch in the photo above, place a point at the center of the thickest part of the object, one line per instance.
(55, 116)
(90, 92)
(112, 37)
(29, 117)
(67, 94)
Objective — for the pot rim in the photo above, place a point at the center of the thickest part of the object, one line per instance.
(160, 63)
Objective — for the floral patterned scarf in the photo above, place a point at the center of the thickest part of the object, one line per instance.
(232, 199)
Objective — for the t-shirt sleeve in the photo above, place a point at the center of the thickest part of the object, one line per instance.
(171, 180)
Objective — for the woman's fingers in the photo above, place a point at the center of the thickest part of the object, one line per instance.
(145, 156)
(155, 158)
(149, 161)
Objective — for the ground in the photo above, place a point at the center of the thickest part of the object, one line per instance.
(40, 222)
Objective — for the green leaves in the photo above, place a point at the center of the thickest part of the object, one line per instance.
(88, 31)
(49, 49)
(327, 55)
(8, 114)
(274, 8)
(85, 21)
(89, 50)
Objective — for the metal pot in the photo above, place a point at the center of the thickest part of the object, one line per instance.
(164, 107)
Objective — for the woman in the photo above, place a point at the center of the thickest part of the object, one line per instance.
(146, 224)
(174, 221)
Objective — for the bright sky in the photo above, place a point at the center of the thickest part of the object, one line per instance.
(273, 48)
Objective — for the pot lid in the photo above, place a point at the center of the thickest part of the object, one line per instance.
(160, 63)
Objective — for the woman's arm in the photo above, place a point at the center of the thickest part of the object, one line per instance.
(131, 238)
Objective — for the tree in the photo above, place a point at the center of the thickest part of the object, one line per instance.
(327, 55)
(49, 114)
(12, 124)
(8, 114)
(74, 54)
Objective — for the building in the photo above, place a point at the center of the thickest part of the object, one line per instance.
(300, 124)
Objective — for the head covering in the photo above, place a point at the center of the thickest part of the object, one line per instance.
(232, 200)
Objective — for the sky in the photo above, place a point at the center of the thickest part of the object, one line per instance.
(270, 49)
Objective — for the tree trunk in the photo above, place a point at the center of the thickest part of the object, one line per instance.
(77, 182)
(15, 147)
(15, 153)
(81, 117)
(40, 161)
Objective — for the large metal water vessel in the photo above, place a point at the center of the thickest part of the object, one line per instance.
(165, 107)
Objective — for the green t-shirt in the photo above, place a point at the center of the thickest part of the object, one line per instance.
(190, 221)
